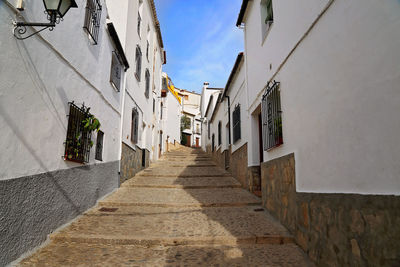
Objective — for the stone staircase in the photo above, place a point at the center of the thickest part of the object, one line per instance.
(181, 211)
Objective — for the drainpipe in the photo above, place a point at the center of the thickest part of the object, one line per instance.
(229, 117)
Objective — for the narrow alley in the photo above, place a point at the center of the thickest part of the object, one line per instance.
(181, 211)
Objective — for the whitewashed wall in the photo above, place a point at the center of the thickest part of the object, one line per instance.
(238, 96)
(172, 118)
(135, 95)
(39, 78)
(339, 91)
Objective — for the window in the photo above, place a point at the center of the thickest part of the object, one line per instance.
(147, 77)
(164, 84)
(99, 146)
(147, 50)
(116, 71)
(186, 97)
(213, 143)
(154, 105)
(219, 133)
(143, 157)
(208, 130)
(271, 116)
(78, 142)
(138, 63)
(236, 124)
(92, 19)
(267, 16)
(135, 126)
(161, 111)
(139, 22)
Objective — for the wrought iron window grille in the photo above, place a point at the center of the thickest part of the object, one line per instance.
(92, 19)
(272, 116)
(236, 123)
(78, 141)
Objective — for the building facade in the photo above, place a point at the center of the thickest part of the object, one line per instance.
(191, 110)
(323, 93)
(76, 120)
(315, 98)
(141, 132)
(52, 167)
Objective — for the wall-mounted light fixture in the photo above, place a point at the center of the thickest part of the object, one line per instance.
(55, 10)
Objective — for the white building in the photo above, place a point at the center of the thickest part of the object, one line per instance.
(45, 81)
(323, 78)
(209, 97)
(49, 173)
(142, 102)
(191, 102)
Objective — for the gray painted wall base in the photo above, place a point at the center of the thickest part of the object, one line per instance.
(32, 207)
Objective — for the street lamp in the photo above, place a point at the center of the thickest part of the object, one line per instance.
(55, 9)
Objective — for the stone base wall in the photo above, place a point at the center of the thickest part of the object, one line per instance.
(238, 165)
(254, 179)
(131, 161)
(34, 206)
(219, 158)
(333, 229)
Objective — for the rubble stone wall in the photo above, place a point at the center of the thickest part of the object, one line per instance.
(333, 229)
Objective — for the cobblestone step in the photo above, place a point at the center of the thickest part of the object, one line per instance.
(183, 164)
(184, 172)
(160, 197)
(148, 227)
(184, 183)
(83, 254)
(183, 211)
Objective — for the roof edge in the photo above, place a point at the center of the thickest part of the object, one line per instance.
(238, 61)
(243, 9)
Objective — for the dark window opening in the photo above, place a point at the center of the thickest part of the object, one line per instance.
(147, 88)
(213, 143)
(272, 117)
(139, 22)
(147, 50)
(92, 19)
(208, 130)
(138, 63)
(236, 124)
(154, 105)
(219, 134)
(99, 146)
(161, 111)
(79, 140)
(143, 157)
(164, 84)
(135, 126)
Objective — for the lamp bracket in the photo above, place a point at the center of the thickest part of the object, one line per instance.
(20, 27)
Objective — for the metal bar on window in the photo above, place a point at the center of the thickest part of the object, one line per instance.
(92, 19)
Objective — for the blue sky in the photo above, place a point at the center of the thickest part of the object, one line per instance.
(201, 40)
